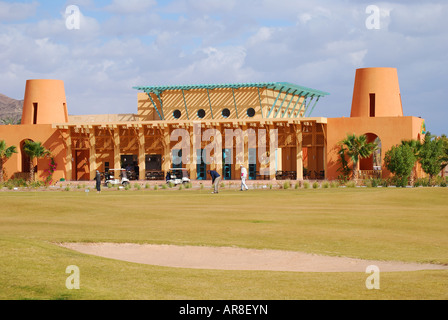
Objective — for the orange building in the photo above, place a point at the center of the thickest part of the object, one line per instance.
(377, 112)
(267, 127)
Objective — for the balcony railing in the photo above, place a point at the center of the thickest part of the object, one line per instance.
(370, 174)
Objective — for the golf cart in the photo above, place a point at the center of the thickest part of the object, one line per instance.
(178, 176)
(110, 177)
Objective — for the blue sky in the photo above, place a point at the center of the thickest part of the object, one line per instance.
(317, 44)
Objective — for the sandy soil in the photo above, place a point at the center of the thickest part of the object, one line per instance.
(238, 259)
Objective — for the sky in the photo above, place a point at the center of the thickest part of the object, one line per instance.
(318, 44)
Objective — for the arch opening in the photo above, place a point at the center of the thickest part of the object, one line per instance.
(372, 166)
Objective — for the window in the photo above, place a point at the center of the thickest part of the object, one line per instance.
(201, 114)
(226, 113)
(34, 113)
(251, 112)
(372, 105)
(177, 114)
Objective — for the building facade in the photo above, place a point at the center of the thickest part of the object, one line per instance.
(267, 127)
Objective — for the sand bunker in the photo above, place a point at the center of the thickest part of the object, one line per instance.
(238, 259)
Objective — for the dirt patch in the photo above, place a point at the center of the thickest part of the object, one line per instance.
(223, 258)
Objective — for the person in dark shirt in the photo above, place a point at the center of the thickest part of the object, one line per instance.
(168, 177)
(98, 181)
(216, 178)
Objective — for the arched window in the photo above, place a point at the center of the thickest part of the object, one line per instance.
(374, 162)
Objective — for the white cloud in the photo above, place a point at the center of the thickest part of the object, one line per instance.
(13, 11)
(357, 58)
(130, 6)
(316, 44)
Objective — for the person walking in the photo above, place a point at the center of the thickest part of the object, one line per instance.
(216, 178)
(244, 187)
(98, 181)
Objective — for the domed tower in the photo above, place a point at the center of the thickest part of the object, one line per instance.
(44, 102)
(377, 93)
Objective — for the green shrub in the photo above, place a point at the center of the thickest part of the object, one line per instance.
(286, 185)
(35, 184)
(334, 184)
(351, 184)
(316, 185)
(16, 183)
(164, 186)
(374, 183)
(156, 187)
(67, 188)
(147, 186)
(270, 186)
(439, 181)
(400, 181)
(325, 185)
(306, 185)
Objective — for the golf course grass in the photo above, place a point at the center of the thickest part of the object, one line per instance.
(391, 224)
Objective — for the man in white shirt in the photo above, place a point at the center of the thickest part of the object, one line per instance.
(244, 187)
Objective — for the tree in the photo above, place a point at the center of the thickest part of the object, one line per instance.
(5, 154)
(431, 155)
(400, 160)
(344, 168)
(415, 146)
(357, 148)
(34, 150)
(444, 157)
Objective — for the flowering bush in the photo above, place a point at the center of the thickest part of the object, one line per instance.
(53, 165)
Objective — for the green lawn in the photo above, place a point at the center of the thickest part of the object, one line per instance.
(379, 224)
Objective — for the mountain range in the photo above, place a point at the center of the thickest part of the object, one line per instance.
(10, 109)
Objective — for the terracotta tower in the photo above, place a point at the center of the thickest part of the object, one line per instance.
(44, 102)
(376, 93)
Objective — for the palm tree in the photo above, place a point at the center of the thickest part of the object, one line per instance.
(357, 148)
(5, 154)
(10, 120)
(34, 150)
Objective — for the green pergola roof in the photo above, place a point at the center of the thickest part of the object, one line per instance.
(269, 85)
(282, 87)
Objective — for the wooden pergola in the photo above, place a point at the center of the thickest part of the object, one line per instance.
(90, 145)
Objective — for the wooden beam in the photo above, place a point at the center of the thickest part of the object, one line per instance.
(92, 158)
(299, 152)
